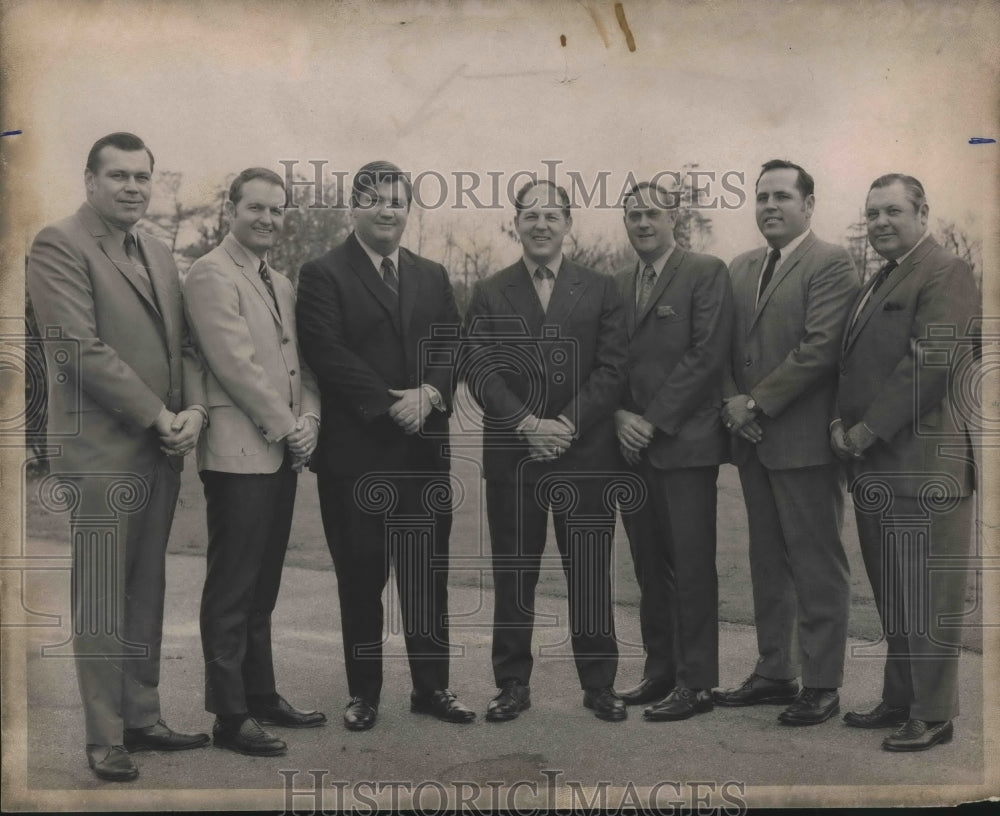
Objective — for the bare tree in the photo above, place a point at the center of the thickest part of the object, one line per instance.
(968, 247)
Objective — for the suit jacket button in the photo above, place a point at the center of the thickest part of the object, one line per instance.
(285, 339)
(748, 363)
(291, 373)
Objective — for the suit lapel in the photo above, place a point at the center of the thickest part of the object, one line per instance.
(750, 278)
(565, 294)
(362, 266)
(631, 276)
(897, 275)
(521, 294)
(161, 285)
(249, 267)
(662, 282)
(409, 293)
(115, 253)
(787, 265)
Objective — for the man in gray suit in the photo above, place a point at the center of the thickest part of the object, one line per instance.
(263, 408)
(130, 412)
(791, 300)
(906, 432)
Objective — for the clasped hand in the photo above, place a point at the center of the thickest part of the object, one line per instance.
(411, 408)
(178, 432)
(302, 440)
(634, 434)
(850, 444)
(740, 420)
(547, 439)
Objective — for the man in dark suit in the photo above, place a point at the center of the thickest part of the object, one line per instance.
(549, 345)
(127, 415)
(906, 431)
(678, 315)
(369, 313)
(263, 423)
(791, 301)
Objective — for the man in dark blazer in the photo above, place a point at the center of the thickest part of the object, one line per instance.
(548, 341)
(905, 427)
(678, 315)
(371, 314)
(263, 409)
(126, 417)
(791, 301)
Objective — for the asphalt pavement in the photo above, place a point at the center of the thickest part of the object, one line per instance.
(557, 754)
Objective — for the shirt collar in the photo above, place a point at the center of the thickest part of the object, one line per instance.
(376, 257)
(899, 261)
(788, 248)
(553, 266)
(249, 252)
(659, 264)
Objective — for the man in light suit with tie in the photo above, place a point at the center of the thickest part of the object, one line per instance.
(678, 315)
(791, 301)
(372, 316)
(263, 408)
(905, 427)
(126, 415)
(549, 343)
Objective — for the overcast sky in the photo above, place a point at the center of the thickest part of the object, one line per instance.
(849, 90)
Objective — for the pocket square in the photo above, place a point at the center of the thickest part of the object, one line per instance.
(665, 311)
(891, 306)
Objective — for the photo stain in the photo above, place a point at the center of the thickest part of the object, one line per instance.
(562, 40)
(623, 24)
(973, 140)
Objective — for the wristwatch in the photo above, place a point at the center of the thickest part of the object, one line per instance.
(751, 404)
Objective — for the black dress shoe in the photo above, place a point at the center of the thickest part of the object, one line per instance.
(648, 691)
(514, 697)
(442, 704)
(112, 763)
(757, 689)
(278, 711)
(812, 706)
(882, 716)
(605, 704)
(919, 735)
(680, 704)
(247, 738)
(360, 714)
(160, 737)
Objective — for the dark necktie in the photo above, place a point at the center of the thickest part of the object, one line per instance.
(268, 283)
(545, 281)
(883, 273)
(646, 287)
(132, 251)
(765, 278)
(389, 275)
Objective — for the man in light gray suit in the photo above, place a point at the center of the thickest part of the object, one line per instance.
(129, 413)
(791, 300)
(263, 407)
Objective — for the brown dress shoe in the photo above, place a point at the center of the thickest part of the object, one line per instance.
(680, 704)
(648, 691)
(757, 689)
(919, 735)
(442, 704)
(514, 697)
(881, 716)
(111, 763)
(160, 737)
(605, 704)
(811, 707)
